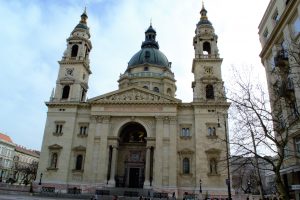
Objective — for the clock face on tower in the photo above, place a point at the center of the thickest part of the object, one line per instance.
(69, 71)
(208, 70)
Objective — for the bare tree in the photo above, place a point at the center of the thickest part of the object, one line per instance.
(257, 131)
(26, 172)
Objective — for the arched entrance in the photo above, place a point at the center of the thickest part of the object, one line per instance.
(131, 156)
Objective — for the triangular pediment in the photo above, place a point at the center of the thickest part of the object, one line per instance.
(55, 146)
(67, 79)
(133, 94)
(79, 148)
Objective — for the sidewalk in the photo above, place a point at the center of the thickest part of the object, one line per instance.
(27, 197)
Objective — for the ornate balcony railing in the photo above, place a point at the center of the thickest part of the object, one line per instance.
(147, 74)
(281, 60)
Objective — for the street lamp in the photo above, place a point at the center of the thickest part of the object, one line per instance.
(227, 155)
(249, 187)
(200, 190)
(41, 175)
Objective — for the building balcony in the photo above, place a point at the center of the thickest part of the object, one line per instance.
(207, 56)
(286, 90)
(281, 60)
(147, 74)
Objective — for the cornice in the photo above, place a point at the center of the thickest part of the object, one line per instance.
(67, 104)
(203, 60)
(266, 15)
(72, 62)
(206, 104)
(80, 38)
(135, 102)
(278, 29)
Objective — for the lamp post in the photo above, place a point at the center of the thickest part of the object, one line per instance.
(1, 175)
(249, 187)
(227, 155)
(200, 189)
(41, 175)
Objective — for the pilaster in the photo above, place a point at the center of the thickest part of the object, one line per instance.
(103, 153)
(157, 179)
(173, 152)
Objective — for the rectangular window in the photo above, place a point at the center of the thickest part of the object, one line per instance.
(58, 129)
(286, 151)
(281, 121)
(275, 17)
(211, 131)
(266, 34)
(297, 144)
(83, 129)
(296, 26)
(185, 132)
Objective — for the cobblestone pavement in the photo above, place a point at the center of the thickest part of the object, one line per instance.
(26, 197)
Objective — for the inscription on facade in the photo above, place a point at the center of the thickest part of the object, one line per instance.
(133, 108)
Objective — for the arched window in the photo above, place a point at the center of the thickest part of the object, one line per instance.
(186, 166)
(83, 92)
(79, 160)
(155, 89)
(53, 163)
(169, 92)
(66, 91)
(213, 166)
(206, 48)
(210, 92)
(147, 54)
(209, 131)
(74, 50)
(145, 86)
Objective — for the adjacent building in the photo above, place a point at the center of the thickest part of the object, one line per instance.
(7, 151)
(279, 33)
(247, 175)
(139, 136)
(25, 165)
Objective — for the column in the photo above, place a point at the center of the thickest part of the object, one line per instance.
(147, 170)
(112, 182)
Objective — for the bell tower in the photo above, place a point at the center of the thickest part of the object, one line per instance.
(207, 84)
(74, 67)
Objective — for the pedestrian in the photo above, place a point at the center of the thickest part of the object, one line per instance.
(173, 196)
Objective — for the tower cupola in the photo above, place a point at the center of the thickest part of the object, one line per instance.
(150, 35)
(205, 40)
(204, 19)
(73, 76)
(208, 83)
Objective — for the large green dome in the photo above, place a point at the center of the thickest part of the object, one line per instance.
(149, 55)
(149, 52)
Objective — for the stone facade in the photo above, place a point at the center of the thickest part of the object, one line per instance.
(279, 32)
(25, 165)
(7, 152)
(139, 136)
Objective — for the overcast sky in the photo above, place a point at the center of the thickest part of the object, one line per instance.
(33, 38)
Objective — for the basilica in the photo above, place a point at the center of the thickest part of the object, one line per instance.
(139, 136)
